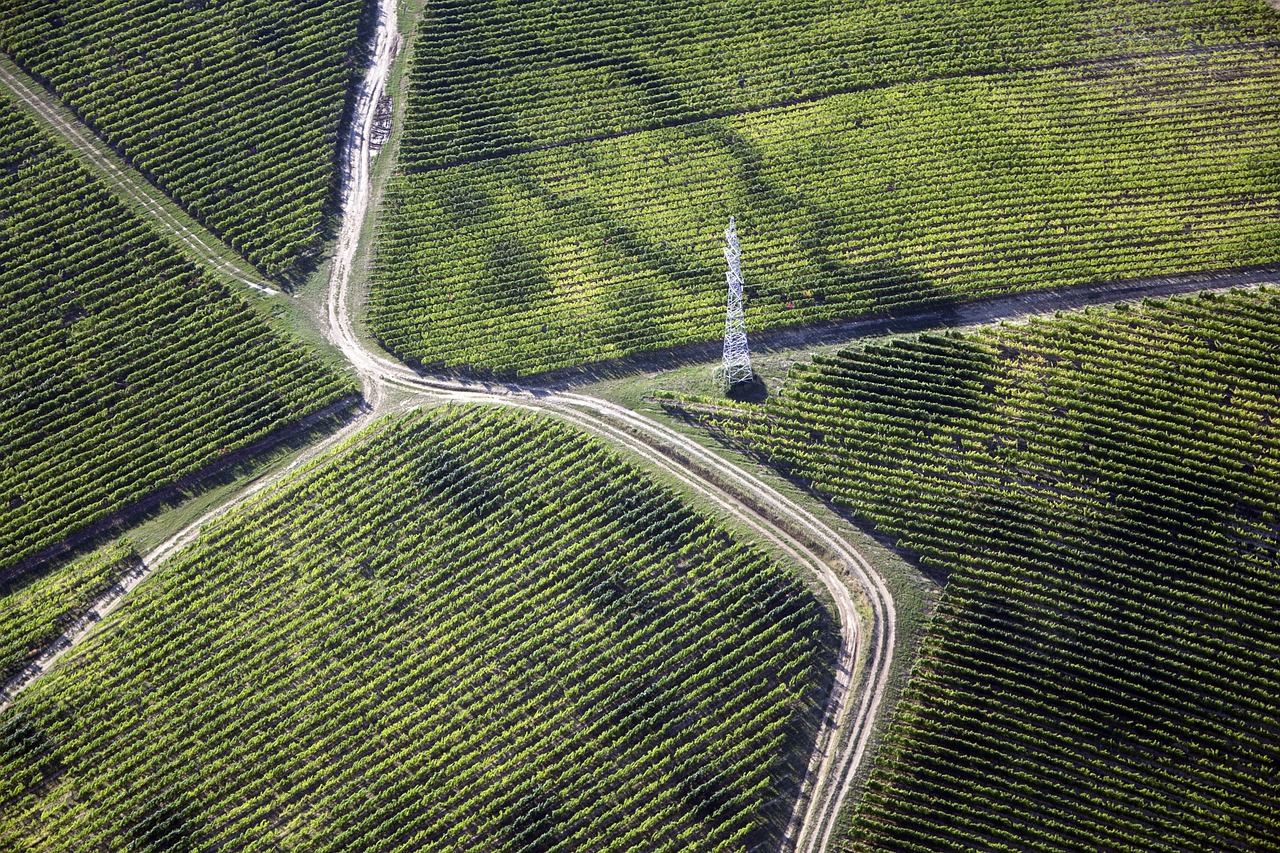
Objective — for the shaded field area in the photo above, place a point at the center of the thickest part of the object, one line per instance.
(122, 367)
(1100, 492)
(231, 108)
(435, 640)
(913, 197)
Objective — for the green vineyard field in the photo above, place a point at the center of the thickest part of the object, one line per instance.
(1100, 490)
(122, 369)
(493, 78)
(232, 108)
(438, 640)
(892, 199)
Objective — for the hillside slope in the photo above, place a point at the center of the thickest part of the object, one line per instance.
(232, 108)
(123, 368)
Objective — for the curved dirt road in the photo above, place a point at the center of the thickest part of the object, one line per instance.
(861, 599)
(866, 633)
(860, 596)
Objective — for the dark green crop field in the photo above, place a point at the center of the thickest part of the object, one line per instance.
(38, 607)
(440, 640)
(231, 107)
(122, 368)
(1101, 491)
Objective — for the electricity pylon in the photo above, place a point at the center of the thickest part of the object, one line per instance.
(737, 357)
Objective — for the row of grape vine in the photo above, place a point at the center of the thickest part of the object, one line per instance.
(232, 108)
(123, 368)
(901, 199)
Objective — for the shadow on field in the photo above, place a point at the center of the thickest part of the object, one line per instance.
(932, 312)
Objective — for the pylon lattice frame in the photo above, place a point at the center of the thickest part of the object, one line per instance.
(737, 356)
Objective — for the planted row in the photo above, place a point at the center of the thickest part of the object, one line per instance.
(892, 200)
(491, 78)
(122, 369)
(36, 609)
(232, 108)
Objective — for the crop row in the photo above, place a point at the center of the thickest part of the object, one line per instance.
(1100, 490)
(231, 108)
(123, 369)
(442, 640)
(490, 78)
(886, 200)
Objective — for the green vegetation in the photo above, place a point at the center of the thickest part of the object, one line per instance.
(1101, 491)
(36, 609)
(122, 369)
(232, 108)
(436, 640)
(492, 77)
(901, 198)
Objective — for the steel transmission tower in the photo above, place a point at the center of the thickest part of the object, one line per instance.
(737, 357)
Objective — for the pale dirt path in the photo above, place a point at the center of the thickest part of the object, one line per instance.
(111, 599)
(122, 178)
(830, 770)
(867, 642)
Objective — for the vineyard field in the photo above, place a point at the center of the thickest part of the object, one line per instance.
(436, 640)
(1100, 491)
(231, 108)
(492, 78)
(122, 368)
(893, 199)
(36, 609)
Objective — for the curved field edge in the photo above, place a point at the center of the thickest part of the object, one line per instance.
(1110, 535)
(644, 681)
(110, 332)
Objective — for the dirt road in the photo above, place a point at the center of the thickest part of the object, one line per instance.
(123, 179)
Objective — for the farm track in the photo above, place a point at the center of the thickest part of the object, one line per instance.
(860, 596)
(126, 181)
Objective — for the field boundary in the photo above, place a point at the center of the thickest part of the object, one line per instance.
(938, 314)
(163, 494)
(868, 637)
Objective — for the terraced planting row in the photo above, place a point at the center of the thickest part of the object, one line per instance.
(439, 640)
(1100, 490)
(492, 78)
(885, 200)
(122, 369)
(232, 108)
